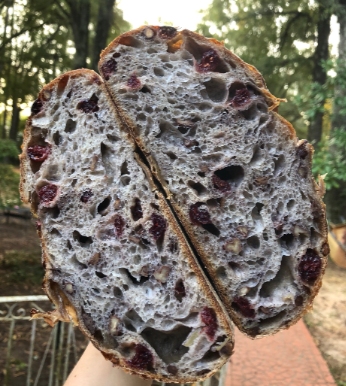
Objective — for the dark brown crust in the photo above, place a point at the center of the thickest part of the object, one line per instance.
(273, 104)
(65, 310)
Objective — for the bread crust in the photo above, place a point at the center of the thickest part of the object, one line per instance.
(273, 104)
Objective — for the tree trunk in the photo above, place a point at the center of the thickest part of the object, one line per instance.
(104, 21)
(4, 39)
(3, 134)
(319, 73)
(336, 197)
(79, 20)
(14, 121)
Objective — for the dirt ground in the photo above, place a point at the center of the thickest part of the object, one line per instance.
(21, 274)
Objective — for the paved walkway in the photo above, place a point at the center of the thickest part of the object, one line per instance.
(289, 358)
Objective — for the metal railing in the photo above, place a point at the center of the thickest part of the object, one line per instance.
(56, 359)
(60, 343)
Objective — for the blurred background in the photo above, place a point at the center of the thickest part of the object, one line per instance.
(298, 46)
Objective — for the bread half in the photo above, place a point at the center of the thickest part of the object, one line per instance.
(232, 168)
(117, 264)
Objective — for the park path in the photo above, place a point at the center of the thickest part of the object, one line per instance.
(289, 358)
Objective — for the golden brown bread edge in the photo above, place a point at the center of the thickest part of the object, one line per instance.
(273, 104)
(65, 311)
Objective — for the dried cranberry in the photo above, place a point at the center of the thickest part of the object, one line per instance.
(167, 32)
(109, 68)
(136, 210)
(38, 153)
(133, 82)
(208, 317)
(47, 193)
(220, 184)
(241, 97)
(36, 106)
(159, 226)
(310, 266)
(302, 150)
(142, 359)
(210, 60)
(119, 225)
(199, 215)
(89, 105)
(244, 307)
(38, 226)
(179, 290)
(86, 196)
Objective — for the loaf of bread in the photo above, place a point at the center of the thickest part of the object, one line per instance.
(171, 196)
(117, 263)
(236, 175)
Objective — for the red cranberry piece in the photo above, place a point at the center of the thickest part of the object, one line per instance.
(220, 184)
(136, 210)
(89, 105)
(36, 106)
(241, 97)
(142, 359)
(134, 82)
(47, 193)
(167, 32)
(38, 153)
(86, 196)
(159, 226)
(244, 307)
(302, 150)
(38, 226)
(310, 266)
(109, 68)
(210, 60)
(179, 290)
(119, 225)
(199, 215)
(208, 317)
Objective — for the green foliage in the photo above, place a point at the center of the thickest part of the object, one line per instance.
(119, 25)
(330, 158)
(9, 178)
(330, 153)
(8, 149)
(9, 184)
(21, 266)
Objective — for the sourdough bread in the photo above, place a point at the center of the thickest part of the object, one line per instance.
(233, 169)
(117, 264)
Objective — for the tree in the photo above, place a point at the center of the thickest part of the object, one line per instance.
(319, 74)
(35, 46)
(33, 53)
(336, 196)
(80, 15)
(104, 22)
